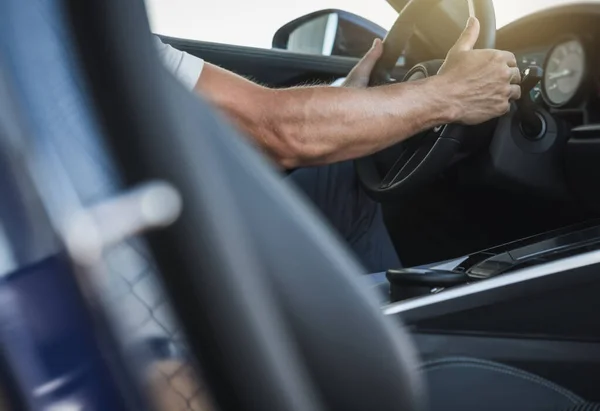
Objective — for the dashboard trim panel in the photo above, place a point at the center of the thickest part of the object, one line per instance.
(556, 274)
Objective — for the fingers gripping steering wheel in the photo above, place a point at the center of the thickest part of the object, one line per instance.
(399, 169)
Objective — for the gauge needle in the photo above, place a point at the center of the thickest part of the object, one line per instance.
(560, 74)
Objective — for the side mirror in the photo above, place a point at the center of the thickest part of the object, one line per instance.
(329, 33)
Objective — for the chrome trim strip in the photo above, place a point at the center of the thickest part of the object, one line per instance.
(501, 281)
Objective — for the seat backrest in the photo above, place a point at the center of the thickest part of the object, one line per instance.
(271, 302)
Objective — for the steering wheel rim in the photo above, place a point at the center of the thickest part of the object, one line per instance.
(412, 168)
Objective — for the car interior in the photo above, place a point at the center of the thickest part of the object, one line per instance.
(465, 209)
(495, 225)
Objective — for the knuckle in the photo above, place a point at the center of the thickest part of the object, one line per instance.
(499, 73)
(518, 93)
(517, 76)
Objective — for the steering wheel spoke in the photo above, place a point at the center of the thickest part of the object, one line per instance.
(394, 172)
(411, 158)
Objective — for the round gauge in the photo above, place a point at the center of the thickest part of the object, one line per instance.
(564, 73)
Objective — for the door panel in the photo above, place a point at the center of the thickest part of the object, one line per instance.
(276, 68)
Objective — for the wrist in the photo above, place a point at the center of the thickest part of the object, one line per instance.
(445, 106)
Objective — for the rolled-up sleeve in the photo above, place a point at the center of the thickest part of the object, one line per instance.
(184, 66)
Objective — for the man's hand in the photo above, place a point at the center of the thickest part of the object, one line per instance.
(481, 83)
(360, 74)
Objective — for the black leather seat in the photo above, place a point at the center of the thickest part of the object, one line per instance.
(249, 261)
(472, 384)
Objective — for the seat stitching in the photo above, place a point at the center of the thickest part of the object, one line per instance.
(469, 362)
(537, 380)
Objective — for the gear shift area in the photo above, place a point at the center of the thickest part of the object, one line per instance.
(408, 283)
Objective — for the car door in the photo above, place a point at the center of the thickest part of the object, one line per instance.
(272, 67)
(241, 41)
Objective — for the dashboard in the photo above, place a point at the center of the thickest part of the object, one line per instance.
(566, 72)
(537, 181)
(565, 43)
(559, 158)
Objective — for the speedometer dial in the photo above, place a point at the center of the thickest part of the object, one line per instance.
(564, 73)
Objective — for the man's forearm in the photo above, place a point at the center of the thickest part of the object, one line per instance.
(320, 125)
(316, 125)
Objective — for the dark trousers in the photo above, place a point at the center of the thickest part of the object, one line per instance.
(336, 192)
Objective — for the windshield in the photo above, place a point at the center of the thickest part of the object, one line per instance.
(253, 22)
(511, 10)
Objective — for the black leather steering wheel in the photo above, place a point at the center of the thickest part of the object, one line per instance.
(399, 169)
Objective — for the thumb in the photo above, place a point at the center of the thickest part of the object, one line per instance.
(469, 36)
(366, 65)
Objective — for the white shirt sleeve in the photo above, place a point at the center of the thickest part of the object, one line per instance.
(184, 66)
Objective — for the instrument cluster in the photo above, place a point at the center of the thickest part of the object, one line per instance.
(566, 75)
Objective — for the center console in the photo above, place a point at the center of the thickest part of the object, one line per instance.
(532, 303)
(421, 281)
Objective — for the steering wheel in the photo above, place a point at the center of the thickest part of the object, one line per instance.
(398, 169)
